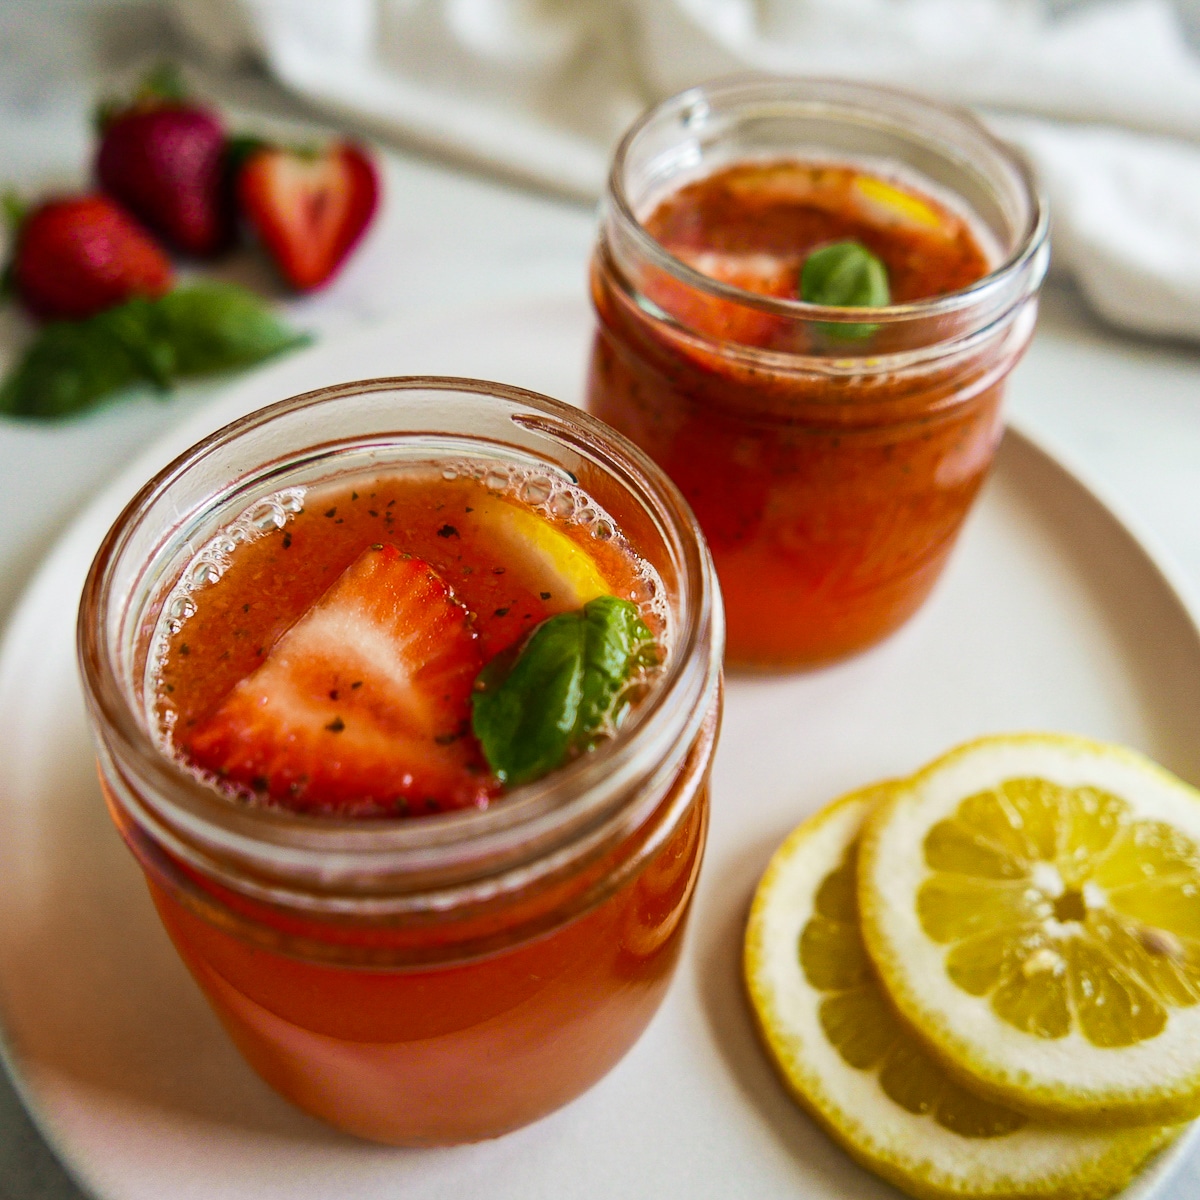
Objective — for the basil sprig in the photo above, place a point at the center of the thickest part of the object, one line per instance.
(71, 366)
(537, 705)
(845, 275)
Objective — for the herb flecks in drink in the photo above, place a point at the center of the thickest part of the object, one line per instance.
(557, 694)
(359, 699)
(845, 275)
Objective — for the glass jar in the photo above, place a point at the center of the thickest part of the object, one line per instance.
(829, 473)
(437, 979)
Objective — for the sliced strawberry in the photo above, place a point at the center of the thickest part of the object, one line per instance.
(761, 274)
(363, 706)
(78, 255)
(308, 209)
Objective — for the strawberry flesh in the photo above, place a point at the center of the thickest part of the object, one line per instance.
(362, 708)
(79, 255)
(760, 274)
(166, 163)
(308, 210)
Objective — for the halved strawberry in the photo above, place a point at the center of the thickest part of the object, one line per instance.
(363, 706)
(726, 321)
(308, 209)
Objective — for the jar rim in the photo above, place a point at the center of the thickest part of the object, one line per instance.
(832, 96)
(356, 857)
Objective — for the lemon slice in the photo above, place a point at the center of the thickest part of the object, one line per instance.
(898, 205)
(544, 556)
(1032, 904)
(862, 1074)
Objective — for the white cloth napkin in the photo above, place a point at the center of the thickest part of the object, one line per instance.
(1102, 95)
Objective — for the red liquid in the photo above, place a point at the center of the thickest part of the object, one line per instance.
(830, 502)
(786, 210)
(451, 1053)
(445, 1028)
(454, 525)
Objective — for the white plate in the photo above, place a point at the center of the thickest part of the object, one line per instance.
(1050, 617)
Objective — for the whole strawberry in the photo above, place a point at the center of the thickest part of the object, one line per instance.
(78, 255)
(163, 157)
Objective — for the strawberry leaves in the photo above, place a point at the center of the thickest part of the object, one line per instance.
(72, 365)
(537, 706)
(162, 84)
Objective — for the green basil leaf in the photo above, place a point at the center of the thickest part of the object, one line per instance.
(617, 645)
(845, 275)
(217, 326)
(136, 327)
(73, 365)
(565, 687)
(69, 367)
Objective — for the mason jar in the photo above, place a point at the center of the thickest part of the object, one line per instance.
(434, 979)
(831, 463)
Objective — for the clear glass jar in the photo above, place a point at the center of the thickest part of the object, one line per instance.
(829, 474)
(436, 979)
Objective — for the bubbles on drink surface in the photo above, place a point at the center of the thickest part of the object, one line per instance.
(557, 497)
(206, 568)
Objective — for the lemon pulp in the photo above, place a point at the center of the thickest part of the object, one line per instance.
(533, 544)
(1032, 905)
(862, 1073)
(862, 1027)
(1065, 911)
(897, 203)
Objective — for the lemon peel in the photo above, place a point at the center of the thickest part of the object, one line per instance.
(898, 204)
(1032, 906)
(533, 546)
(859, 1071)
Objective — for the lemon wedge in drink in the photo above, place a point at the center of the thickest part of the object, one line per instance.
(536, 548)
(894, 204)
(1032, 905)
(856, 1067)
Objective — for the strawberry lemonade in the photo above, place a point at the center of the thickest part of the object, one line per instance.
(409, 728)
(332, 667)
(808, 297)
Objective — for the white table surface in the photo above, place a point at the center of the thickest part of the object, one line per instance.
(1125, 412)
